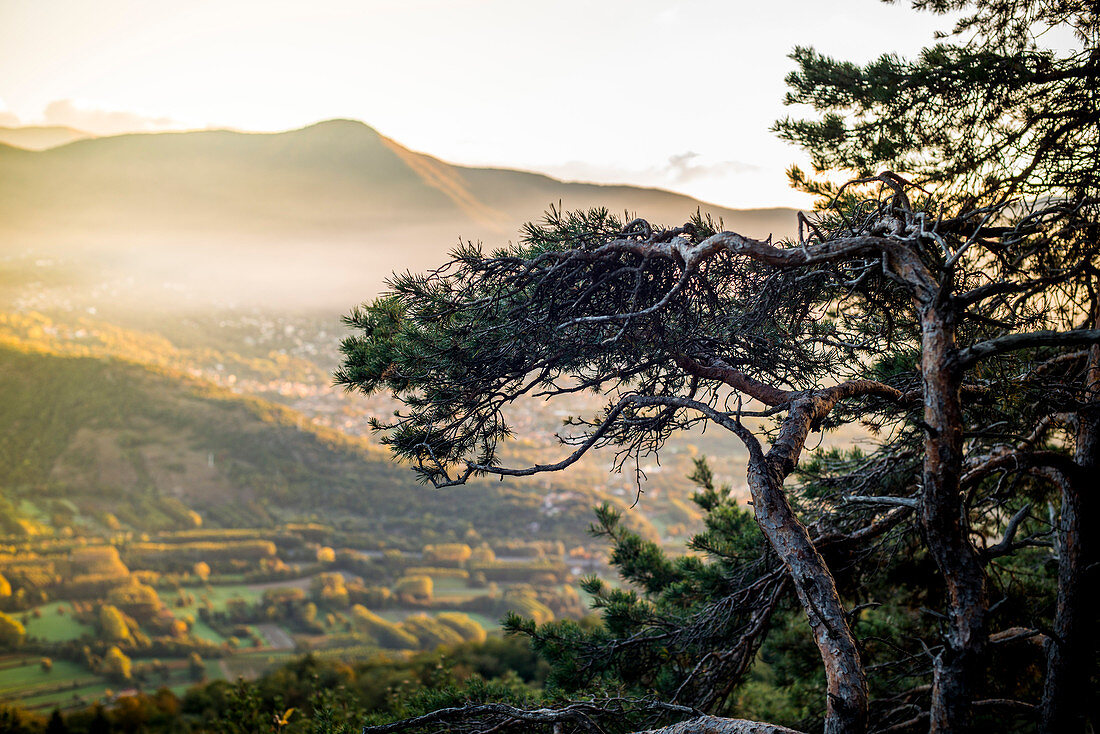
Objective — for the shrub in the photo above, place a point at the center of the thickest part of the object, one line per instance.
(385, 633)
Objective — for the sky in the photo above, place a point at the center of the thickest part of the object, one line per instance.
(678, 94)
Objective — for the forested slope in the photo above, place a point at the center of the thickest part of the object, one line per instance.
(88, 437)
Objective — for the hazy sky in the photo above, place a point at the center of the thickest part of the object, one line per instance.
(664, 93)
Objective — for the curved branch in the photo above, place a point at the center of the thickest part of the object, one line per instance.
(592, 440)
(910, 502)
(1021, 461)
(719, 370)
(1013, 342)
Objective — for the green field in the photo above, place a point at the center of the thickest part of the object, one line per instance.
(217, 595)
(32, 674)
(69, 698)
(214, 670)
(23, 682)
(54, 627)
(452, 588)
(69, 684)
(251, 665)
(201, 630)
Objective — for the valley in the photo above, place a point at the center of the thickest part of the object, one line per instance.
(185, 496)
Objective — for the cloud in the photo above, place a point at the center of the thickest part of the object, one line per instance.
(681, 168)
(7, 117)
(687, 166)
(103, 122)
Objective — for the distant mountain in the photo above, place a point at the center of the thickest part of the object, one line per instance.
(41, 138)
(339, 176)
(346, 198)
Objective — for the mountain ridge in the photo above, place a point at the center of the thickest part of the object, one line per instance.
(41, 137)
(328, 210)
(353, 124)
(327, 146)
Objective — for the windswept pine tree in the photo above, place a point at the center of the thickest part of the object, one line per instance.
(950, 305)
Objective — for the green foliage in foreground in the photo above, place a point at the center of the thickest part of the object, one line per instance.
(318, 696)
(664, 622)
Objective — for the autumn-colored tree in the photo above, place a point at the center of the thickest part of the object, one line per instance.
(112, 623)
(116, 665)
(384, 632)
(418, 588)
(330, 589)
(470, 630)
(12, 632)
(446, 554)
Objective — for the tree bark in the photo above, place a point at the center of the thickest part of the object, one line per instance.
(846, 705)
(847, 695)
(1068, 699)
(945, 525)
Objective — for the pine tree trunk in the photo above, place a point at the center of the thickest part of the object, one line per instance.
(1068, 698)
(946, 528)
(846, 708)
(846, 705)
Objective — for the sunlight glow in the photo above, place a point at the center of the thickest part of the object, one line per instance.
(677, 95)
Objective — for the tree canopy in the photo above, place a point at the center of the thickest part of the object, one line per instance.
(995, 110)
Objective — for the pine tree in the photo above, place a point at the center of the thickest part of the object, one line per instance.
(987, 117)
(56, 724)
(952, 309)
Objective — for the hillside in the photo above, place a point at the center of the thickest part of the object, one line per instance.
(87, 437)
(325, 212)
(339, 176)
(40, 137)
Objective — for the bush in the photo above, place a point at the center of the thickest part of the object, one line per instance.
(447, 554)
(417, 588)
(468, 629)
(385, 633)
(112, 624)
(329, 588)
(116, 665)
(430, 633)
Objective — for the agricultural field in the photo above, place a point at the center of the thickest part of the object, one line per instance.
(64, 684)
(55, 623)
(123, 614)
